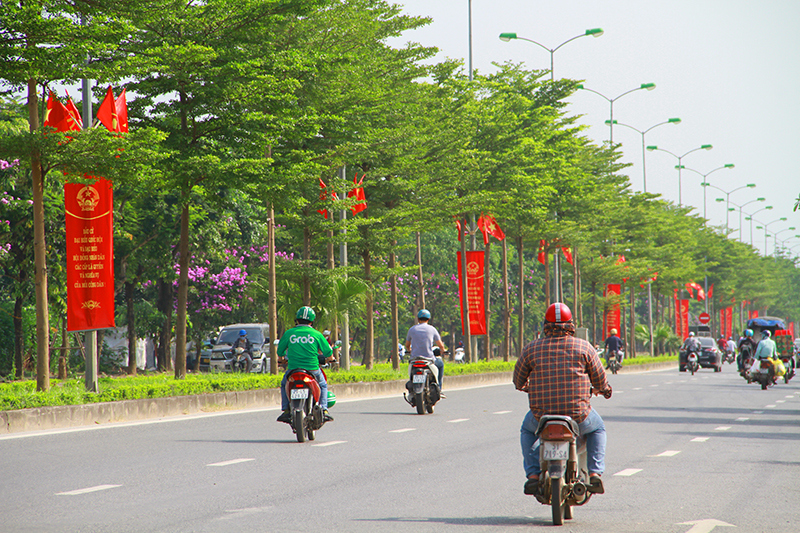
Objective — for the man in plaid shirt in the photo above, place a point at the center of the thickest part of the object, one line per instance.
(558, 372)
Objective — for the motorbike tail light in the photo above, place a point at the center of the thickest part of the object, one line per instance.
(557, 432)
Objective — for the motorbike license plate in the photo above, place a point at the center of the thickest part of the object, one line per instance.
(299, 394)
(418, 378)
(555, 451)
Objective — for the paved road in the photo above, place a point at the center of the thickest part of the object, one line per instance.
(685, 454)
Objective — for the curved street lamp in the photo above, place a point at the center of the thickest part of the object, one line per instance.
(705, 182)
(750, 218)
(642, 132)
(765, 226)
(727, 198)
(679, 166)
(775, 237)
(610, 122)
(741, 236)
(595, 32)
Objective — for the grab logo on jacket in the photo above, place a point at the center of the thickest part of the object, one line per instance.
(301, 339)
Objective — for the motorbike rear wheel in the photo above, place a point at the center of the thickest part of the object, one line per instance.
(419, 403)
(311, 433)
(555, 501)
(299, 425)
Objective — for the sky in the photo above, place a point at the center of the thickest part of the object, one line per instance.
(729, 69)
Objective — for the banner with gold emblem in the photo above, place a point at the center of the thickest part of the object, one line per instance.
(90, 255)
(475, 295)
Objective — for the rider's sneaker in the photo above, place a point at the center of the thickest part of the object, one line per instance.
(326, 416)
(286, 417)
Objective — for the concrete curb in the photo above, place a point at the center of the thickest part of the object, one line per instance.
(69, 416)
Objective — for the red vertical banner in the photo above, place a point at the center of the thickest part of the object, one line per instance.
(752, 314)
(729, 322)
(722, 322)
(684, 318)
(678, 329)
(791, 329)
(475, 296)
(611, 319)
(90, 255)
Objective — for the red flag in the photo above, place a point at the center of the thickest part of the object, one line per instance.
(567, 254)
(711, 291)
(107, 112)
(488, 226)
(357, 192)
(541, 253)
(691, 292)
(74, 114)
(701, 295)
(121, 107)
(58, 116)
(322, 197)
(458, 228)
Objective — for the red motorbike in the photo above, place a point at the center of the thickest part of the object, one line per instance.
(304, 392)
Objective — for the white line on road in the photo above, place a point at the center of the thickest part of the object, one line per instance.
(722, 428)
(87, 490)
(637, 388)
(780, 401)
(699, 439)
(771, 405)
(457, 420)
(331, 443)
(792, 396)
(402, 430)
(628, 472)
(668, 453)
(742, 419)
(654, 385)
(501, 412)
(231, 462)
(758, 412)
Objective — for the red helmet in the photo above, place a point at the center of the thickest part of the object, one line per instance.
(558, 312)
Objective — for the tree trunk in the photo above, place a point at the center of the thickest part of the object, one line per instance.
(165, 306)
(594, 313)
(183, 292)
(507, 304)
(272, 304)
(39, 253)
(521, 315)
(395, 332)
(19, 339)
(369, 354)
(63, 358)
(577, 311)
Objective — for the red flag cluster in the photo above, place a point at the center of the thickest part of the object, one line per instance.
(62, 117)
(489, 226)
(701, 295)
(113, 114)
(541, 252)
(356, 192)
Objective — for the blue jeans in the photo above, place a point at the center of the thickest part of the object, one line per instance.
(323, 388)
(592, 429)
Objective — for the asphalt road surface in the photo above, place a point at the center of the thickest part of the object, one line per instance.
(685, 454)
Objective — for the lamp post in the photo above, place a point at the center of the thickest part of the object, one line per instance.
(595, 32)
(679, 166)
(642, 132)
(741, 238)
(727, 198)
(705, 182)
(766, 243)
(610, 122)
(775, 237)
(750, 218)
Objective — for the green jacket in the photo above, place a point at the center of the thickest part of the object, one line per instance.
(301, 346)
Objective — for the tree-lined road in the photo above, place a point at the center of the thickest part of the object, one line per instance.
(685, 454)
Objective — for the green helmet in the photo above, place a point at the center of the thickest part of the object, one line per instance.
(331, 398)
(305, 313)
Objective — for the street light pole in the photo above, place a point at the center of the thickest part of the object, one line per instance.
(705, 180)
(766, 243)
(595, 32)
(610, 122)
(740, 213)
(775, 237)
(644, 173)
(727, 198)
(679, 166)
(750, 218)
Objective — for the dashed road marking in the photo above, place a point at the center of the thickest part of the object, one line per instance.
(402, 430)
(654, 385)
(699, 439)
(637, 388)
(501, 412)
(331, 443)
(758, 412)
(742, 419)
(722, 428)
(457, 420)
(780, 401)
(771, 405)
(628, 472)
(792, 396)
(87, 490)
(231, 462)
(668, 453)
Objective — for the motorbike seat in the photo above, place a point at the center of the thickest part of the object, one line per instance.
(568, 421)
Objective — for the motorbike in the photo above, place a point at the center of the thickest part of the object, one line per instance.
(422, 386)
(788, 364)
(564, 482)
(303, 392)
(239, 360)
(459, 355)
(729, 356)
(615, 362)
(747, 365)
(692, 363)
(763, 372)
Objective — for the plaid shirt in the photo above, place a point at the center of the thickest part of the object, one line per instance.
(559, 372)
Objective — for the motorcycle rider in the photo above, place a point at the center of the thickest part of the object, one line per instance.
(300, 348)
(722, 344)
(691, 344)
(558, 371)
(747, 347)
(420, 340)
(613, 345)
(766, 347)
(731, 347)
(244, 342)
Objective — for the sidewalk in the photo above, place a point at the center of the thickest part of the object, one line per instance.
(67, 416)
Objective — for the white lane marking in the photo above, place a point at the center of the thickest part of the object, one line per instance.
(699, 439)
(758, 412)
(682, 381)
(792, 396)
(628, 472)
(722, 428)
(87, 490)
(618, 391)
(457, 420)
(742, 419)
(771, 405)
(501, 412)
(331, 443)
(654, 385)
(637, 388)
(668, 453)
(704, 526)
(231, 462)
(402, 430)
(780, 401)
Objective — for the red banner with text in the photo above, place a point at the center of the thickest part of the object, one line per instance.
(729, 322)
(90, 255)
(684, 318)
(475, 296)
(611, 318)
